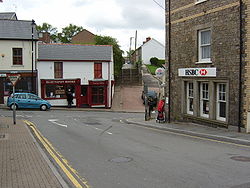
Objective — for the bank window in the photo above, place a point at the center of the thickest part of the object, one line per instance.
(58, 69)
(221, 102)
(204, 46)
(190, 98)
(204, 100)
(97, 70)
(17, 56)
(98, 95)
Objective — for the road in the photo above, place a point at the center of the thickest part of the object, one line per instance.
(108, 153)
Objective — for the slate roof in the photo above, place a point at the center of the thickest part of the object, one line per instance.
(8, 16)
(74, 52)
(17, 30)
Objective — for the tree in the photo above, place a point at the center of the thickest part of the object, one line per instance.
(68, 32)
(45, 27)
(118, 59)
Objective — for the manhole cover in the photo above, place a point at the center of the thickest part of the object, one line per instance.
(241, 158)
(121, 160)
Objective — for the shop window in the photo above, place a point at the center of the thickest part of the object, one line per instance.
(17, 56)
(190, 98)
(205, 46)
(23, 85)
(58, 91)
(58, 69)
(98, 95)
(221, 101)
(97, 70)
(204, 100)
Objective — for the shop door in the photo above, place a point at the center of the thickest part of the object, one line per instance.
(84, 95)
(1, 91)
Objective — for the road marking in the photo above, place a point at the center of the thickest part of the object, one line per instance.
(55, 122)
(196, 137)
(53, 153)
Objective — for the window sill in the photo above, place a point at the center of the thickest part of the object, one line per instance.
(17, 65)
(204, 62)
(198, 2)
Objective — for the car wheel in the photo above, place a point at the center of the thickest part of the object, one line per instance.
(43, 107)
(13, 106)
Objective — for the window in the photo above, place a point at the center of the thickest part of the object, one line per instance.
(204, 100)
(190, 98)
(98, 95)
(58, 69)
(58, 91)
(221, 101)
(97, 70)
(17, 56)
(205, 46)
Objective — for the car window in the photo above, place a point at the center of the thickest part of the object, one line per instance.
(32, 96)
(20, 96)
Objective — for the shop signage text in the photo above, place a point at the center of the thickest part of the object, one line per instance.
(60, 81)
(197, 72)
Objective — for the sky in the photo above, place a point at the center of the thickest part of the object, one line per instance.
(116, 18)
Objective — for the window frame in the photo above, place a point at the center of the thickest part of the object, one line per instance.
(97, 70)
(203, 99)
(218, 101)
(17, 59)
(58, 69)
(201, 46)
(189, 97)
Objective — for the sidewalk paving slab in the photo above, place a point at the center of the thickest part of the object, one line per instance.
(22, 163)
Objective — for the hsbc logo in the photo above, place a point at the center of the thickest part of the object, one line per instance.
(203, 72)
(197, 72)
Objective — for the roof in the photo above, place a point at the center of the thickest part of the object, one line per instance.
(8, 16)
(17, 30)
(74, 52)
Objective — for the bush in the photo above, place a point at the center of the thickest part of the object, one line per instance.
(157, 62)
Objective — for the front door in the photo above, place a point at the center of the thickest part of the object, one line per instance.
(1, 91)
(84, 95)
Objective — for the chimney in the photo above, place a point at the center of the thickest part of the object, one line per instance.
(148, 39)
(45, 37)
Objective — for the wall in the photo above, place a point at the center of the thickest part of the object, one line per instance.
(6, 62)
(223, 19)
(151, 49)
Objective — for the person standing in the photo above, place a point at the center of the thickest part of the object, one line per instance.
(69, 98)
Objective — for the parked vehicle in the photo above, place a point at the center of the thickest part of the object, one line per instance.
(152, 97)
(27, 100)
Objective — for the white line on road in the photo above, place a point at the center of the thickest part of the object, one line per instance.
(55, 122)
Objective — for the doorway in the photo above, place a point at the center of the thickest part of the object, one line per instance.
(84, 96)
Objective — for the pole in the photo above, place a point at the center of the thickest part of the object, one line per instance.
(240, 69)
(14, 106)
(130, 59)
(169, 59)
(32, 56)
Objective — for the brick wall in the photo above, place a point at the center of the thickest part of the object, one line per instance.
(222, 17)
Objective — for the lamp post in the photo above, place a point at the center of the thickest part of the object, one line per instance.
(168, 63)
(32, 56)
(130, 59)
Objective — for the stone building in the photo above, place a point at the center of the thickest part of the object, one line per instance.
(208, 72)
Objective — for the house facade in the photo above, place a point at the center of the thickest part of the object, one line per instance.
(87, 70)
(84, 37)
(150, 48)
(206, 69)
(18, 52)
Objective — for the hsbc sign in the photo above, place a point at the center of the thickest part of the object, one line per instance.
(197, 72)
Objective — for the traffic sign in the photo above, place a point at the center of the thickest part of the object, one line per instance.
(13, 78)
(159, 72)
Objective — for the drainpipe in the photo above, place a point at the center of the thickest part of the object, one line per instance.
(240, 67)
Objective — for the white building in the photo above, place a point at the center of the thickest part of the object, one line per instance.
(88, 70)
(18, 44)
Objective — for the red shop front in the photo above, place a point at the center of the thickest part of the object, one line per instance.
(55, 91)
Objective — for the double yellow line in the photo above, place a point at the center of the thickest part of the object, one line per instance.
(70, 172)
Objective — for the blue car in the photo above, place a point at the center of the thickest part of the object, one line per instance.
(27, 100)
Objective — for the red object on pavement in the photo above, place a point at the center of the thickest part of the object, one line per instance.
(161, 105)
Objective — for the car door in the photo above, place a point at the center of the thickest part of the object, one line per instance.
(33, 101)
(20, 100)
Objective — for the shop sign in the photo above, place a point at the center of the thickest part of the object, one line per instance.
(197, 72)
(60, 81)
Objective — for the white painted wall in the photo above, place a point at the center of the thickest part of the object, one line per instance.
(6, 62)
(150, 49)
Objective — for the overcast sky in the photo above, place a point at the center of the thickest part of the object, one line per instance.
(116, 18)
